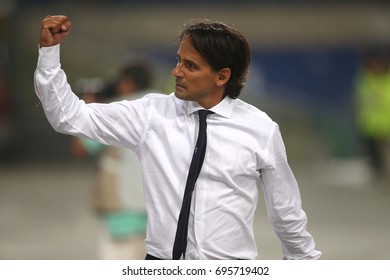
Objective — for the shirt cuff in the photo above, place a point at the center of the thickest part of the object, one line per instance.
(49, 57)
(315, 255)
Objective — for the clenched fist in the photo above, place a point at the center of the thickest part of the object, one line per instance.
(54, 29)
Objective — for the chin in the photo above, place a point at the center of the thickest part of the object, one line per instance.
(181, 96)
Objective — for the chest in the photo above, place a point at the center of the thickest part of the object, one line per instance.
(232, 147)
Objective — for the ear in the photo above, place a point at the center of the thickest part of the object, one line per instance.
(223, 76)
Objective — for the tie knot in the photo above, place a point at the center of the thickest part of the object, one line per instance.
(203, 114)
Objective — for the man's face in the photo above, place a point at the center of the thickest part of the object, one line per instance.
(195, 80)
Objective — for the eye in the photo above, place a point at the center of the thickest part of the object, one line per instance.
(189, 65)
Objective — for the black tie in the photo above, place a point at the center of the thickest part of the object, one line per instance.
(180, 245)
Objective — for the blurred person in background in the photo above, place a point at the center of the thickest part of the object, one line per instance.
(372, 109)
(117, 189)
(245, 151)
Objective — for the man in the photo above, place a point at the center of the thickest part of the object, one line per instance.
(245, 151)
(372, 109)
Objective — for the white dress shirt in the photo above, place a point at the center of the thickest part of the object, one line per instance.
(245, 153)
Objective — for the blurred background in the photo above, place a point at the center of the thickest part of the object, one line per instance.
(309, 72)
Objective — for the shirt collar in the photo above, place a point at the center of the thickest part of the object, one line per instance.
(223, 108)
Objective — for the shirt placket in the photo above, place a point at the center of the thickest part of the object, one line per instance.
(200, 200)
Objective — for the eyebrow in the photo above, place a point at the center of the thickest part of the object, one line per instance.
(187, 60)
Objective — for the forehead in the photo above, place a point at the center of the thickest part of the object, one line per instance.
(188, 52)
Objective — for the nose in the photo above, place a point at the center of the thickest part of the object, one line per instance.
(176, 72)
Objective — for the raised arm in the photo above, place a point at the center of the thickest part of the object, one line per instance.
(118, 124)
(54, 29)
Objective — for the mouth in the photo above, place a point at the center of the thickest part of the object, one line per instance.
(179, 86)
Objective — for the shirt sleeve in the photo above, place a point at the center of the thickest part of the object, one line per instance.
(283, 203)
(119, 123)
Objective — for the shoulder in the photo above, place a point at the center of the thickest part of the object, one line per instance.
(251, 113)
(163, 104)
(149, 99)
(160, 98)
